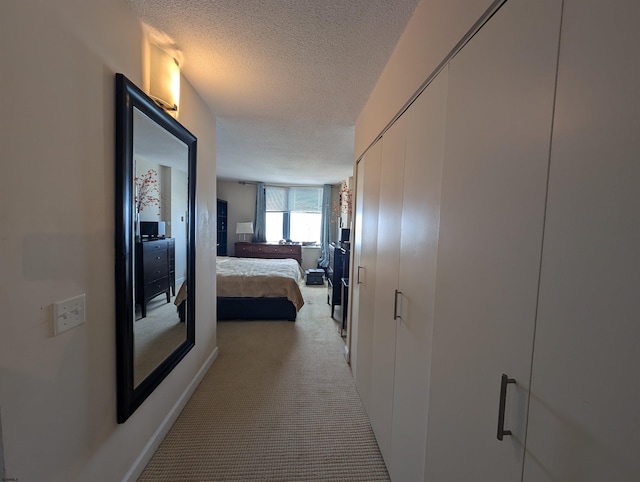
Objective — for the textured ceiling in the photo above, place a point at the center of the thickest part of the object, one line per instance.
(286, 78)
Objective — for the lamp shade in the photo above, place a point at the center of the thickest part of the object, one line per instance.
(244, 228)
(164, 79)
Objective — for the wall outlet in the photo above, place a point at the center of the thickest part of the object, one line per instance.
(68, 314)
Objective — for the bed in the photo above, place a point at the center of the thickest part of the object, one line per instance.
(258, 289)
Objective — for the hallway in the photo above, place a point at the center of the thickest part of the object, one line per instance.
(279, 403)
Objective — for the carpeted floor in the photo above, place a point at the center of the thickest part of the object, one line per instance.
(278, 404)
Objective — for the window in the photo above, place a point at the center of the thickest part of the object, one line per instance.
(274, 226)
(294, 213)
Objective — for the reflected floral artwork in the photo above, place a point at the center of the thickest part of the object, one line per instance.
(147, 193)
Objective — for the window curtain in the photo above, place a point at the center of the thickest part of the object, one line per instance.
(323, 261)
(260, 228)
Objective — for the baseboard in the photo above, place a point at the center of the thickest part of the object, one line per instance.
(154, 442)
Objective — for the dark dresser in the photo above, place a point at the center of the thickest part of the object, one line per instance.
(171, 253)
(155, 270)
(221, 207)
(338, 269)
(268, 250)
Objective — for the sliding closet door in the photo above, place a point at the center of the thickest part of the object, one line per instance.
(387, 267)
(584, 417)
(499, 113)
(417, 280)
(364, 268)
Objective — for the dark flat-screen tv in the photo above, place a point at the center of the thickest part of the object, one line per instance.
(152, 229)
(343, 235)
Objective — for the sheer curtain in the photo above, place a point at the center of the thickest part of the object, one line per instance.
(323, 261)
(260, 228)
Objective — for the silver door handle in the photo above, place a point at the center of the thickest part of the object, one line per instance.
(504, 381)
(395, 304)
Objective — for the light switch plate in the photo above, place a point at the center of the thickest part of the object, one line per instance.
(68, 313)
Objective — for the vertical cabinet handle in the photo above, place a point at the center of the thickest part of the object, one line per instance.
(395, 304)
(503, 401)
(358, 275)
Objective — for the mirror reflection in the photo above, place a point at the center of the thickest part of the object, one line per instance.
(155, 180)
(161, 201)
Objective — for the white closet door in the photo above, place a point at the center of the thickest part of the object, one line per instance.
(584, 418)
(417, 281)
(362, 277)
(499, 113)
(387, 267)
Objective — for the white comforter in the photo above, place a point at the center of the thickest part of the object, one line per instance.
(259, 278)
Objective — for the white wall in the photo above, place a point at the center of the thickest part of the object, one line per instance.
(433, 31)
(58, 394)
(241, 208)
(310, 255)
(179, 205)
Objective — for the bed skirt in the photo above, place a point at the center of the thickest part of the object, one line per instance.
(255, 309)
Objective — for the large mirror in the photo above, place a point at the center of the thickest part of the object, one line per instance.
(155, 244)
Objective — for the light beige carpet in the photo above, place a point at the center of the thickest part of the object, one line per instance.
(279, 404)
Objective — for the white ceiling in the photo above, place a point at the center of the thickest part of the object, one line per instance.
(286, 78)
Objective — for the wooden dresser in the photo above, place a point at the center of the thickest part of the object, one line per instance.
(266, 250)
(155, 270)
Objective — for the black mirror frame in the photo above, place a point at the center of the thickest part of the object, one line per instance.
(128, 96)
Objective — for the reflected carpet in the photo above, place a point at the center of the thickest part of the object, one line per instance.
(156, 336)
